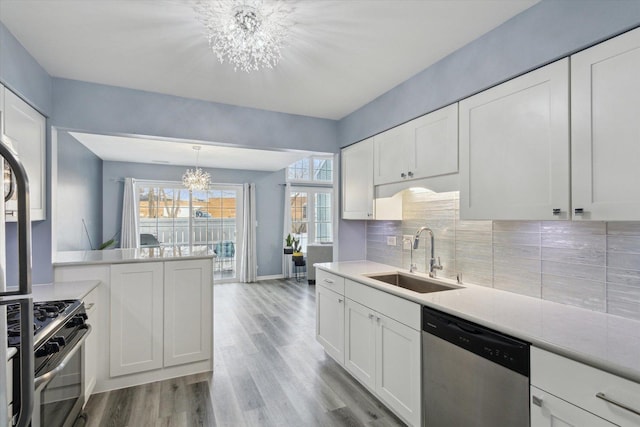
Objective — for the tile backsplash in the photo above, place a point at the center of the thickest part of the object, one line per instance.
(595, 264)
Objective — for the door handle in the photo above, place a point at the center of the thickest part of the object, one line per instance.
(536, 400)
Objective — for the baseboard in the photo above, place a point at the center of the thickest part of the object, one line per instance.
(272, 277)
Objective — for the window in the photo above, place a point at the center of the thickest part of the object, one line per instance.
(211, 218)
(310, 200)
(311, 215)
(312, 169)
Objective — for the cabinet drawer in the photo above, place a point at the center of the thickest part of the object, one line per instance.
(330, 281)
(579, 384)
(397, 308)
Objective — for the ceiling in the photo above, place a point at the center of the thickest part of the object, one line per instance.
(147, 150)
(341, 55)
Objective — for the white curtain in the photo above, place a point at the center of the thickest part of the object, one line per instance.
(248, 261)
(130, 235)
(286, 229)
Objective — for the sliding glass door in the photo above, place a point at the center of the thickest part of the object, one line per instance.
(172, 216)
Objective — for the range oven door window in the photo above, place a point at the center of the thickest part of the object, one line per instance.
(60, 400)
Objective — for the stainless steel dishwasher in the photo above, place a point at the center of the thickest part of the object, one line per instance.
(471, 375)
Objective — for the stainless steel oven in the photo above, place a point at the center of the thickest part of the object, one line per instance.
(60, 331)
(59, 393)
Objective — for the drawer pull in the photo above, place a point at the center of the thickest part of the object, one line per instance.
(89, 306)
(328, 281)
(604, 397)
(536, 400)
(340, 300)
(370, 316)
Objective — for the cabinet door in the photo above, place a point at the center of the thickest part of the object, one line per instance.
(514, 148)
(330, 322)
(357, 181)
(136, 318)
(549, 411)
(390, 152)
(188, 311)
(605, 147)
(91, 344)
(360, 342)
(398, 368)
(26, 132)
(433, 150)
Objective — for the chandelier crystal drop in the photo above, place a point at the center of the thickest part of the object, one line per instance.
(249, 34)
(196, 179)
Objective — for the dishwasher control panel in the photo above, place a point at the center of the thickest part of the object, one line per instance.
(502, 349)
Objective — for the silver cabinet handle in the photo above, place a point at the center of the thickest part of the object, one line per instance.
(403, 175)
(370, 316)
(340, 300)
(328, 281)
(410, 174)
(557, 211)
(89, 306)
(536, 400)
(604, 397)
(378, 319)
(578, 211)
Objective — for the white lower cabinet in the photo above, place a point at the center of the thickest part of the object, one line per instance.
(330, 322)
(569, 393)
(360, 343)
(188, 318)
(384, 355)
(550, 411)
(91, 344)
(398, 368)
(136, 318)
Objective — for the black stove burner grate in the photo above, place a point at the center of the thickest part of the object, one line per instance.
(44, 314)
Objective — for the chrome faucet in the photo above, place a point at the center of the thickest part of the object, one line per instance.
(432, 262)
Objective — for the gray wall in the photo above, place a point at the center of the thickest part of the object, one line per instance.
(269, 201)
(78, 196)
(547, 31)
(115, 110)
(24, 76)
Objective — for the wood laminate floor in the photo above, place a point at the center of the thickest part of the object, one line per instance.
(268, 371)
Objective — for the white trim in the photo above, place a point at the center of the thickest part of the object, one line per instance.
(271, 277)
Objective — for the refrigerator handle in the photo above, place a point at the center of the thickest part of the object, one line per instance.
(27, 373)
(24, 222)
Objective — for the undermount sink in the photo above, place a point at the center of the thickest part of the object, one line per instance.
(413, 283)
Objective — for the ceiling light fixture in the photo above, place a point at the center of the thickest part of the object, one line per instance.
(247, 33)
(196, 179)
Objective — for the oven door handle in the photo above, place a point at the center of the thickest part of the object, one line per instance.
(43, 379)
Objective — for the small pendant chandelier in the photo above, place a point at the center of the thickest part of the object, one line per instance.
(196, 179)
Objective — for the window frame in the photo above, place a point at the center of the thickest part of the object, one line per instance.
(312, 170)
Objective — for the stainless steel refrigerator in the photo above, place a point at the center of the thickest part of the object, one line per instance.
(17, 396)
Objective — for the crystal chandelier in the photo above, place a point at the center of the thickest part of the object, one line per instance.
(196, 179)
(247, 33)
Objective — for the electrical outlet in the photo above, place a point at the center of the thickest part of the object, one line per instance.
(391, 241)
(407, 241)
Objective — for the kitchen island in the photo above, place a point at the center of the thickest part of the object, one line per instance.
(152, 312)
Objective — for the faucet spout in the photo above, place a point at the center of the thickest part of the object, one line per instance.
(433, 265)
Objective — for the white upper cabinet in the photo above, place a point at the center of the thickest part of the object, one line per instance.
(357, 181)
(514, 148)
(422, 148)
(605, 132)
(25, 130)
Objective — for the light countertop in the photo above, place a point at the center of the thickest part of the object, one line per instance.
(63, 290)
(123, 256)
(604, 341)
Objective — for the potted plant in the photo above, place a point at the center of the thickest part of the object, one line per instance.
(288, 244)
(297, 253)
